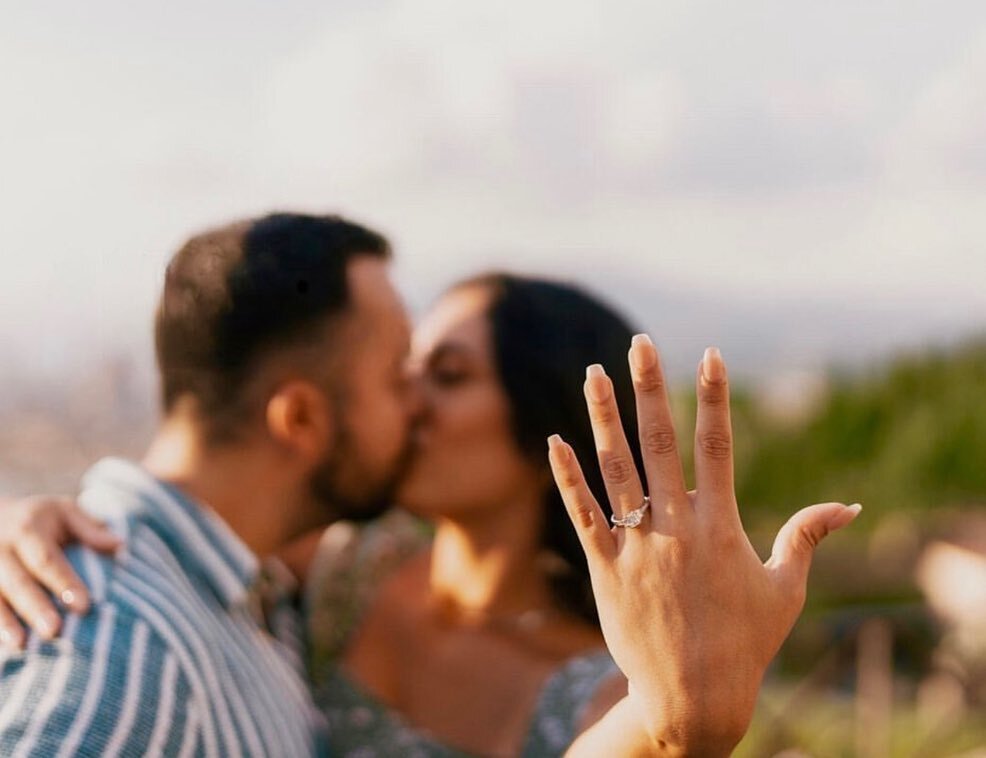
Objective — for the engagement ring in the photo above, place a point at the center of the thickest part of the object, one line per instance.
(633, 518)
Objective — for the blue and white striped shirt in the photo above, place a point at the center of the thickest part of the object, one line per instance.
(170, 660)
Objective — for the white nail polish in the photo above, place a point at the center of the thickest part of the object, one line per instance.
(713, 369)
(68, 598)
(598, 390)
(640, 357)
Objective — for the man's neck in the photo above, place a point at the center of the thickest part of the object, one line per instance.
(242, 484)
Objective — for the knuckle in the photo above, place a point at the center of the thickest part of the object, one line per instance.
(569, 480)
(658, 438)
(649, 382)
(717, 445)
(713, 394)
(583, 514)
(617, 469)
(809, 538)
(605, 413)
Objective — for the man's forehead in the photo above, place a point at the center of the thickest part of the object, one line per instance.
(375, 301)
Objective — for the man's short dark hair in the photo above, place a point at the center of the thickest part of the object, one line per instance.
(234, 294)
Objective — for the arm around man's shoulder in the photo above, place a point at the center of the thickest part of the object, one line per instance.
(111, 684)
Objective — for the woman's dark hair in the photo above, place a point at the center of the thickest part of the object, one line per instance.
(545, 333)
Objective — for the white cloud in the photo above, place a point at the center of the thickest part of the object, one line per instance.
(942, 139)
(750, 152)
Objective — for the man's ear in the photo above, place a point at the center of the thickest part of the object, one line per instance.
(300, 419)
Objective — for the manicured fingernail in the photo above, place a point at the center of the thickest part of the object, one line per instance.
(596, 383)
(642, 354)
(68, 598)
(557, 449)
(855, 508)
(713, 369)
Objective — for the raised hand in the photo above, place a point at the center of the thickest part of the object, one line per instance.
(33, 533)
(690, 613)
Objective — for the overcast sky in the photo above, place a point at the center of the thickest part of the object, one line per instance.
(807, 175)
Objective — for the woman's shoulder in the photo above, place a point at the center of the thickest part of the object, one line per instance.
(350, 564)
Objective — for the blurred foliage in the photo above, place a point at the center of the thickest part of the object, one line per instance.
(812, 722)
(910, 437)
(908, 440)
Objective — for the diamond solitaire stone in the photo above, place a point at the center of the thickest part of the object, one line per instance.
(633, 518)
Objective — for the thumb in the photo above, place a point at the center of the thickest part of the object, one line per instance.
(795, 544)
(89, 531)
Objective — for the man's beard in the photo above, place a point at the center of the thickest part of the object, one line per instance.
(347, 490)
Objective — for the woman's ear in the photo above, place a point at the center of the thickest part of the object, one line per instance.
(300, 419)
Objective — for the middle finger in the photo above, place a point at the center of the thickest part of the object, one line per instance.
(619, 471)
(662, 461)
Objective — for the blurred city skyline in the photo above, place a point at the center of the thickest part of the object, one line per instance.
(804, 184)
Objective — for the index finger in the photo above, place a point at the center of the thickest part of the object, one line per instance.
(713, 431)
(583, 510)
(26, 598)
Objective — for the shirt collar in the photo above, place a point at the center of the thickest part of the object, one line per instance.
(116, 488)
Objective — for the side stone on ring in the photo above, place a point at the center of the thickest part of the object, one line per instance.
(632, 519)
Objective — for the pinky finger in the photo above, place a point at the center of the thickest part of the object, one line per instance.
(11, 632)
(586, 515)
